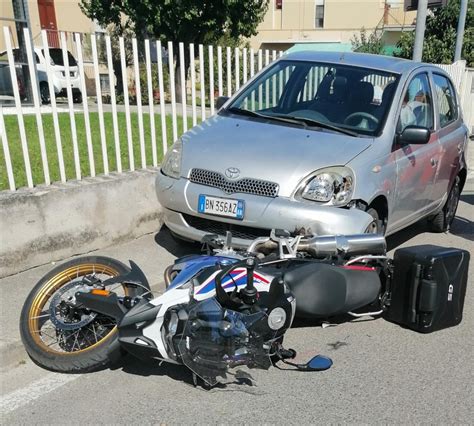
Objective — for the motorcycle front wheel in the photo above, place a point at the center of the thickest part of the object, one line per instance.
(57, 333)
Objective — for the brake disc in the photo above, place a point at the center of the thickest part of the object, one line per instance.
(64, 299)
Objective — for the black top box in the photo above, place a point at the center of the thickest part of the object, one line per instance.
(428, 287)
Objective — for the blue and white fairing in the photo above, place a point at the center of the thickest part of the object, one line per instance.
(190, 267)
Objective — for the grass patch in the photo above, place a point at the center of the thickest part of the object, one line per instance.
(16, 153)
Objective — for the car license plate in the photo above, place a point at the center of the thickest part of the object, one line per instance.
(221, 206)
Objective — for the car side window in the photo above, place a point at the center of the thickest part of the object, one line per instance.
(417, 104)
(445, 100)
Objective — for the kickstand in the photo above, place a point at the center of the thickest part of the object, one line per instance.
(195, 379)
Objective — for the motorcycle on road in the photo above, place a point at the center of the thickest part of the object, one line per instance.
(229, 309)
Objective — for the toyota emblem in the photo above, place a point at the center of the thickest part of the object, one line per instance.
(232, 172)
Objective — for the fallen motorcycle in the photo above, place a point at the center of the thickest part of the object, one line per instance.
(230, 308)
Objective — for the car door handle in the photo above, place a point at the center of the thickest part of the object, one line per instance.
(434, 162)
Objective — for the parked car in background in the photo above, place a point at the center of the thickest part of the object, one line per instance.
(310, 147)
(58, 69)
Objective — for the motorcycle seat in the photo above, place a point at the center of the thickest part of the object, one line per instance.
(323, 290)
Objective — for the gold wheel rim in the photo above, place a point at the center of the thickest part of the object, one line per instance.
(54, 284)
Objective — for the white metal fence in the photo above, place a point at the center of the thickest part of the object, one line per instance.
(109, 132)
(106, 134)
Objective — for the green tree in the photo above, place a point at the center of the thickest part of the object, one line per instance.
(368, 43)
(187, 21)
(440, 36)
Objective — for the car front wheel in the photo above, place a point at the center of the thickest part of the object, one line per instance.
(377, 226)
(44, 92)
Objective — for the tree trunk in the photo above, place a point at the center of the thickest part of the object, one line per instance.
(177, 74)
(117, 65)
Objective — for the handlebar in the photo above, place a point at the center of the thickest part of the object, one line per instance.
(249, 292)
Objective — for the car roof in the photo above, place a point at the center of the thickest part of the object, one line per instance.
(366, 60)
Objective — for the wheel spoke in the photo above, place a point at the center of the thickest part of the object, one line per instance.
(90, 329)
(40, 316)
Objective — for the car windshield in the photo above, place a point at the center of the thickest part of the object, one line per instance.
(57, 57)
(348, 99)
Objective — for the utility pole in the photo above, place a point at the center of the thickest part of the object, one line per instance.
(420, 30)
(460, 31)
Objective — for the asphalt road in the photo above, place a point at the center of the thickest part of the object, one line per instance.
(382, 373)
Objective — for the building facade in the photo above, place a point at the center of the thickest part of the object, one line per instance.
(330, 24)
(51, 15)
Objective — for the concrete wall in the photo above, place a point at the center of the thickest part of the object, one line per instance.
(47, 224)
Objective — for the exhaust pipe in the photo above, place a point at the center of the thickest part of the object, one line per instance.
(346, 245)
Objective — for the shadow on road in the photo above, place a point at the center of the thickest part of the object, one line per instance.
(176, 247)
(180, 373)
(131, 365)
(468, 198)
(460, 227)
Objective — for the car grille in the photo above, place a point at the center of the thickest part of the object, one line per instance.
(220, 228)
(245, 185)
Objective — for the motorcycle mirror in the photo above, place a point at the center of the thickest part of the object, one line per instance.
(317, 363)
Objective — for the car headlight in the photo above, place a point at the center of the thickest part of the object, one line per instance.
(172, 162)
(333, 186)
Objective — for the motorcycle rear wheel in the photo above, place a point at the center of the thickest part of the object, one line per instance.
(85, 342)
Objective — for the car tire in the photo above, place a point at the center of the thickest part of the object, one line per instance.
(442, 221)
(377, 226)
(44, 92)
(77, 99)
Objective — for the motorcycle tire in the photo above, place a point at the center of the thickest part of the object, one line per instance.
(79, 341)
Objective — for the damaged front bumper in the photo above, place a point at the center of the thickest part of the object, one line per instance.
(179, 198)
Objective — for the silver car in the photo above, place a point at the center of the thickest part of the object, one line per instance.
(321, 143)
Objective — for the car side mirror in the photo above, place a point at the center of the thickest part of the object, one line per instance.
(221, 100)
(414, 135)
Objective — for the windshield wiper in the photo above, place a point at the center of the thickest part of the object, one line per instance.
(322, 124)
(293, 120)
(247, 112)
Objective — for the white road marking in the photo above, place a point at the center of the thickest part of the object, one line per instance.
(24, 396)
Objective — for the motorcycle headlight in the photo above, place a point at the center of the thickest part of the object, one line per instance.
(277, 318)
(333, 186)
(172, 162)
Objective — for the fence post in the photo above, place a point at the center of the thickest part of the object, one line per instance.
(113, 101)
(85, 105)
(237, 68)
(219, 69)
(138, 94)
(193, 82)
(16, 95)
(98, 95)
(244, 64)
(151, 109)
(52, 98)
(126, 102)
(201, 75)
(229, 72)
(172, 90)
(182, 68)
(6, 152)
(161, 85)
(72, 117)
(36, 103)
(211, 79)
